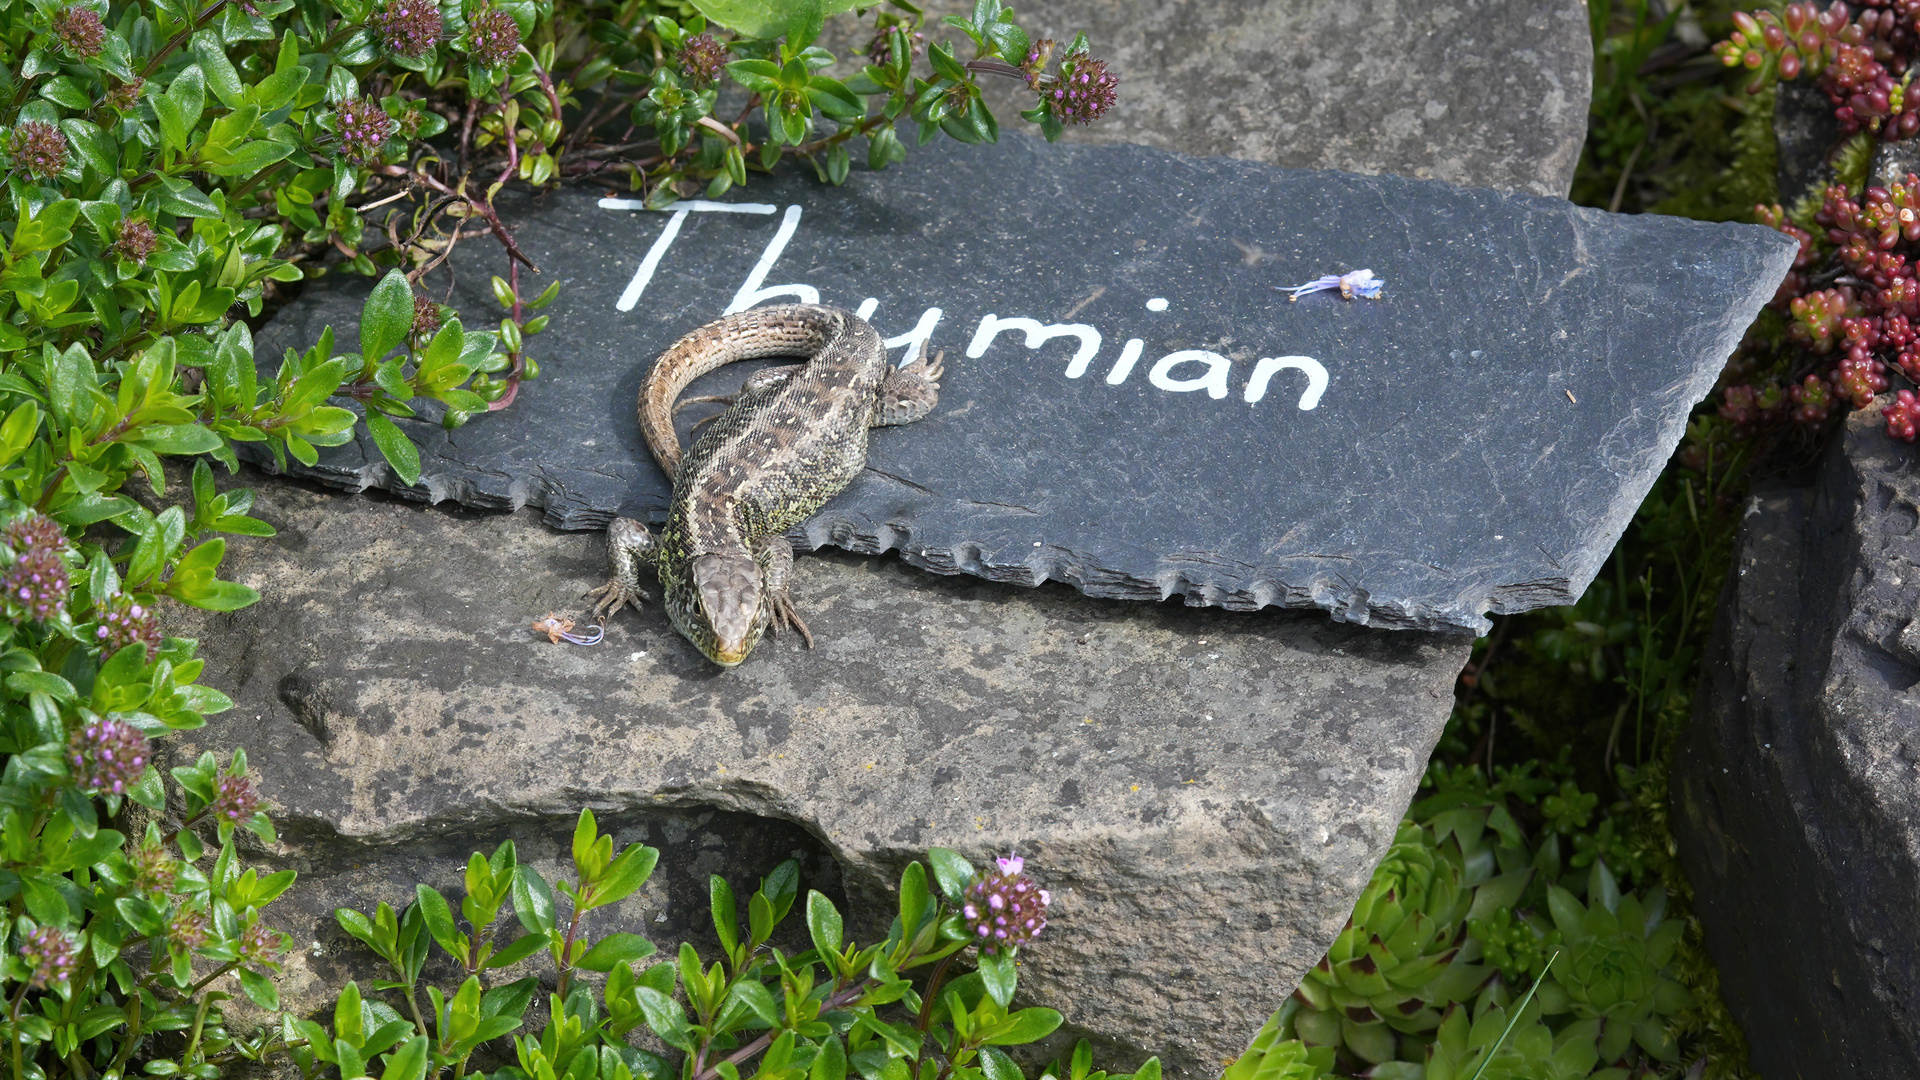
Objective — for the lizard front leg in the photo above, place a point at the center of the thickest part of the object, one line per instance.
(629, 546)
(775, 555)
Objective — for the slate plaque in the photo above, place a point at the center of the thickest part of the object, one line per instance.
(1130, 406)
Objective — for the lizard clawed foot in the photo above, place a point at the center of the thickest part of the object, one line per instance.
(785, 616)
(611, 597)
(930, 370)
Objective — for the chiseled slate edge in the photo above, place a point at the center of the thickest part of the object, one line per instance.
(1659, 301)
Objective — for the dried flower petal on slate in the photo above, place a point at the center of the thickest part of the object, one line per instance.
(107, 755)
(407, 27)
(362, 126)
(492, 37)
(39, 148)
(49, 952)
(702, 59)
(1003, 907)
(79, 30)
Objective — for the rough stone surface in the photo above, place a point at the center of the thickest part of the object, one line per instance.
(1204, 791)
(1480, 92)
(1474, 441)
(1797, 788)
(1804, 126)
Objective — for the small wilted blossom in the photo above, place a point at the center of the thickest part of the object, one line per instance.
(1084, 91)
(78, 29)
(1004, 908)
(492, 37)
(123, 621)
(362, 126)
(154, 870)
(36, 584)
(39, 148)
(426, 319)
(702, 59)
(125, 96)
(407, 27)
(188, 928)
(136, 241)
(234, 800)
(107, 755)
(1036, 60)
(49, 951)
(260, 943)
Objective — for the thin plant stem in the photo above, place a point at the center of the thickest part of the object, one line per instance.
(1515, 1018)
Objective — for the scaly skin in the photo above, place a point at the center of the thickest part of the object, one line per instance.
(793, 438)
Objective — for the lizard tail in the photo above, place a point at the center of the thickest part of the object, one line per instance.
(802, 330)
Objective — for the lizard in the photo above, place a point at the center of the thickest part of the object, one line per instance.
(794, 437)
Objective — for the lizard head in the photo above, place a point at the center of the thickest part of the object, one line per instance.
(730, 599)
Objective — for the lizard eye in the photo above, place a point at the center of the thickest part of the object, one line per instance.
(730, 596)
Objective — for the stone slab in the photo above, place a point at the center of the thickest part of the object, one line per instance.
(1131, 407)
(1489, 93)
(1204, 791)
(1796, 789)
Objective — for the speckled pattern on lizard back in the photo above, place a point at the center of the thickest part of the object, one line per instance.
(793, 438)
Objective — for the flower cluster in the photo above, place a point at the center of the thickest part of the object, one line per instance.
(702, 59)
(235, 800)
(126, 95)
(187, 929)
(77, 28)
(406, 27)
(426, 320)
(362, 126)
(260, 943)
(1084, 90)
(124, 621)
(36, 584)
(1004, 908)
(49, 952)
(136, 241)
(492, 37)
(154, 870)
(107, 756)
(39, 148)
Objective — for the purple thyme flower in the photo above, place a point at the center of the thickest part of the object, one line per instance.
(259, 943)
(123, 621)
(137, 240)
(79, 30)
(362, 126)
(1084, 90)
(49, 951)
(492, 37)
(35, 532)
(154, 870)
(234, 799)
(1036, 61)
(188, 928)
(407, 27)
(702, 59)
(36, 584)
(1005, 908)
(39, 148)
(107, 756)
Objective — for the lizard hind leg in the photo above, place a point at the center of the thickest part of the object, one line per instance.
(629, 544)
(775, 555)
(911, 392)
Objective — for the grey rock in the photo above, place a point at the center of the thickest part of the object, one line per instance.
(1472, 442)
(1204, 791)
(1477, 92)
(1806, 132)
(1894, 161)
(1796, 792)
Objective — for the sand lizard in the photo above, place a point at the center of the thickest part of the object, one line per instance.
(793, 438)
